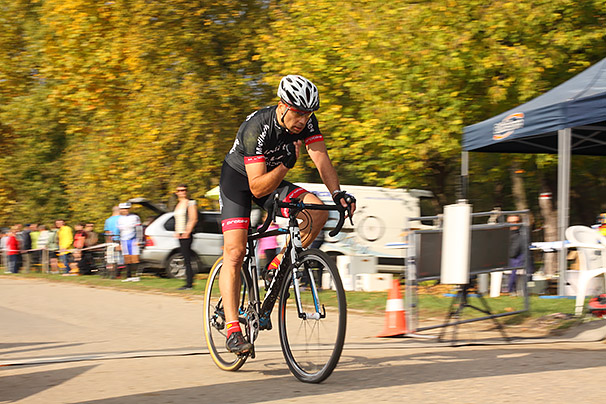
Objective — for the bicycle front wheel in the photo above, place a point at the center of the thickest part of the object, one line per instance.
(214, 322)
(312, 334)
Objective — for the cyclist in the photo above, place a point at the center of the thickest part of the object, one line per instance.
(267, 146)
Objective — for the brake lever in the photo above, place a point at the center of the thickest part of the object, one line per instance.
(349, 213)
(275, 210)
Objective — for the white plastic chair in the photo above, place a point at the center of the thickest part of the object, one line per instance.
(591, 246)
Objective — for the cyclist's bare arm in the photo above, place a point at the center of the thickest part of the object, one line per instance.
(319, 155)
(262, 182)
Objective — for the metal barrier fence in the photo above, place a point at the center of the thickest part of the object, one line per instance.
(424, 254)
(42, 256)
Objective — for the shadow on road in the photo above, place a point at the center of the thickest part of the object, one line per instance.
(33, 346)
(19, 387)
(357, 372)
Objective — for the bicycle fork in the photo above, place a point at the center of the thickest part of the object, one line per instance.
(320, 312)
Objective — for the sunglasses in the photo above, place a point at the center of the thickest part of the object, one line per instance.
(303, 114)
(181, 190)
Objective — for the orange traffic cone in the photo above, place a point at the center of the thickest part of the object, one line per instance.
(395, 318)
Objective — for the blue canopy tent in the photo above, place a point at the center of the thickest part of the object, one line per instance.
(569, 119)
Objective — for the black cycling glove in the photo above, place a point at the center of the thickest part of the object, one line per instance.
(349, 199)
(289, 158)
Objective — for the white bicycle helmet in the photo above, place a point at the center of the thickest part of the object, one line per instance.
(299, 93)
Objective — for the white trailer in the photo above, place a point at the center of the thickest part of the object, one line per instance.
(379, 222)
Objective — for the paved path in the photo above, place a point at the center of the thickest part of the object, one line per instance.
(79, 344)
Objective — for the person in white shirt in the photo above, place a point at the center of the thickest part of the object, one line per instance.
(43, 237)
(129, 225)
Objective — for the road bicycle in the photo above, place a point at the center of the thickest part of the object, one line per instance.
(312, 310)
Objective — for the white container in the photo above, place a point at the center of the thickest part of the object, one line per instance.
(327, 281)
(348, 282)
(456, 244)
(351, 265)
(373, 282)
(495, 283)
(356, 264)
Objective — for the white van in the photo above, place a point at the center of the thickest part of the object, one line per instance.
(379, 223)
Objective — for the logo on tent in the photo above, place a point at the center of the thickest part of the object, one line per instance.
(507, 126)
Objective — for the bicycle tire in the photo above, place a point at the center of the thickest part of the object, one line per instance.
(214, 323)
(311, 360)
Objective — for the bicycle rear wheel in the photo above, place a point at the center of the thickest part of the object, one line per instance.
(214, 322)
(312, 341)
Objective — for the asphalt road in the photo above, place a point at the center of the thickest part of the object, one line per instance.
(64, 343)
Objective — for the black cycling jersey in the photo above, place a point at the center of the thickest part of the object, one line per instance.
(261, 138)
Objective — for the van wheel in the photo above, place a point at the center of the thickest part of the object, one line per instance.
(175, 267)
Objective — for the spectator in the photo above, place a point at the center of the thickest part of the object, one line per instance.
(129, 225)
(53, 248)
(79, 237)
(43, 236)
(66, 240)
(33, 235)
(186, 217)
(517, 251)
(42, 242)
(112, 237)
(111, 231)
(3, 238)
(22, 235)
(91, 238)
(12, 247)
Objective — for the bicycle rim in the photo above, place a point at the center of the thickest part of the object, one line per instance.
(214, 324)
(312, 347)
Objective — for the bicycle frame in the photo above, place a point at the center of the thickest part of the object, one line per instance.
(263, 309)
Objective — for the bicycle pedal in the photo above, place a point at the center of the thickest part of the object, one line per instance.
(243, 354)
(246, 354)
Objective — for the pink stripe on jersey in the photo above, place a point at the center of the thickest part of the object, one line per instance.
(314, 139)
(235, 223)
(254, 159)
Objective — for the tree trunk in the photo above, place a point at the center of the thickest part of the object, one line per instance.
(519, 192)
(517, 186)
(550, 230)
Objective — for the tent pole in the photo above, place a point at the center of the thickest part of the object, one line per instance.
(564, 138)
(464, 174)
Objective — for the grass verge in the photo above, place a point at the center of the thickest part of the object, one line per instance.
(430, 304)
